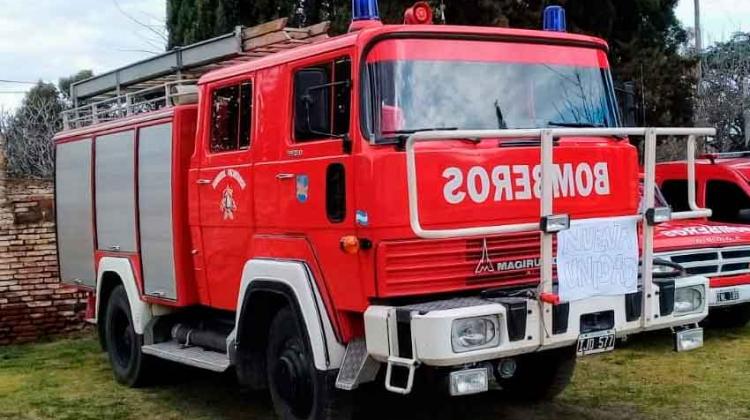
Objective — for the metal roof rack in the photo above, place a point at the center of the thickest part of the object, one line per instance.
(165, 79)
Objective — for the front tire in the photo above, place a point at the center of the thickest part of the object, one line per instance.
(541, 376)
(732, 317)
(298, 390)
(122, 343)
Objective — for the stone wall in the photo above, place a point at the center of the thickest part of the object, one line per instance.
(33, 303)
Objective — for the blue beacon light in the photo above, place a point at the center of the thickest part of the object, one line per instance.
(365, 10)
(554, 19)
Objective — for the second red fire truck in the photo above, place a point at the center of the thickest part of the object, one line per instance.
(318, 213)
(715, 247)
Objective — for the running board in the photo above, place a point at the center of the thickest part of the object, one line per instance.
(192, 356)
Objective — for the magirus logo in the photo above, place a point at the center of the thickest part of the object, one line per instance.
(486, 265)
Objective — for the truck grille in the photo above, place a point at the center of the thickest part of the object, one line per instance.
(712, 262)
(432, 266)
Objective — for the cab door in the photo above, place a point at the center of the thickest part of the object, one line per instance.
(226, 190)
(313, 177)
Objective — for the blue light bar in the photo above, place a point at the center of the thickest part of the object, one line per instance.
(554, 19)
(365, 10)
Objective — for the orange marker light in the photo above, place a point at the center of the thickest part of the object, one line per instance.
(350, 244)
(550, 298)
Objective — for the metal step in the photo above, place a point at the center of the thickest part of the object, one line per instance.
(192, 356)
(357, 367)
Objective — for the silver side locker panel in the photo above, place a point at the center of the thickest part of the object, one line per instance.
(155, 210)
(115, 192)
(75, 230)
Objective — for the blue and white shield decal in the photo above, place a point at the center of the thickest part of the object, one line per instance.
(303, 184)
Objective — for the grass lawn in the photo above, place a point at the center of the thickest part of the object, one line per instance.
(644, 379)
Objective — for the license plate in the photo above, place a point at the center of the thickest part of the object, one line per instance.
(728, 295)
(596, 342)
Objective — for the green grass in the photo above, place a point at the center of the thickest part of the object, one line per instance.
(644, 379)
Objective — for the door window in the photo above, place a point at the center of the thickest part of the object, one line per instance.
(231, 117)
(728, 202)
(322, 99)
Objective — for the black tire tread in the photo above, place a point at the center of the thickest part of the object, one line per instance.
(732, 317)
(329, 403)
(140, 372)
(542, 376)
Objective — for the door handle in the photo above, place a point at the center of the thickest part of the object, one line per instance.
(203, 181)
(282, 177)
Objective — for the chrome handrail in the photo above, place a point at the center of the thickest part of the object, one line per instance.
(125, 105)
(546, 137)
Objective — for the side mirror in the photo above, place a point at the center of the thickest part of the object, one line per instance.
(313, 104)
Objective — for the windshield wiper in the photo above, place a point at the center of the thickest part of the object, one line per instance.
(574, 124)
(416, 130)
(402, 135)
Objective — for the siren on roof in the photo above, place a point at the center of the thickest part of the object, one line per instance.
(365, 10)
(419, 14)
(365, 14)
(554, 19)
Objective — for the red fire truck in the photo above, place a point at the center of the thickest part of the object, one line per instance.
(318, 213)
(715, 247)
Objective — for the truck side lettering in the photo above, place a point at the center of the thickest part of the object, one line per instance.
(521, 182)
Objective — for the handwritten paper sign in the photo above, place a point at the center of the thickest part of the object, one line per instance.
(597, 257)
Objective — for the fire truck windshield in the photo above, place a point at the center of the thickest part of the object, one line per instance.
(432, 93)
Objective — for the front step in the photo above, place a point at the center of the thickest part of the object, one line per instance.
(357, 368)
(192, 356)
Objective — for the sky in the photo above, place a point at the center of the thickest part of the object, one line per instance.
(49, 39)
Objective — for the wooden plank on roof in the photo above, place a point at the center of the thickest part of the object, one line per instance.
(264, 28)
(264, 40)
(312, 30)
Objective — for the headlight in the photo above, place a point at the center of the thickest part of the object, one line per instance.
(475, 333)
(689, 300)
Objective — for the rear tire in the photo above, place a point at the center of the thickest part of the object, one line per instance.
(298, 390)
(123, 344)
(541, 376)
(732, 317)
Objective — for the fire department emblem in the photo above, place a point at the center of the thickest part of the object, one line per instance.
(485, 262)
(228, 204)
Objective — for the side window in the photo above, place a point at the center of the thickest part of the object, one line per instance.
(728, 202)
(322, 100)
(675, 192)
(231, 116)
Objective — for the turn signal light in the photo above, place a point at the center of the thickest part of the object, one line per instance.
(419, 14)
(349, 244)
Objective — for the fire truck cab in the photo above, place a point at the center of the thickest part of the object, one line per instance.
(319, 213)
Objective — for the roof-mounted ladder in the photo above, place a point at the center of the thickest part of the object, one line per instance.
(167, 79)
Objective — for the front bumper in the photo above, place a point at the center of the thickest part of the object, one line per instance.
(421, 333)
(730, 295)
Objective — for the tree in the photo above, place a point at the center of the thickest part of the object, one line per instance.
(65, 82)
(724, 97)
(190, 21)
(28, 132)
(645, 36)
